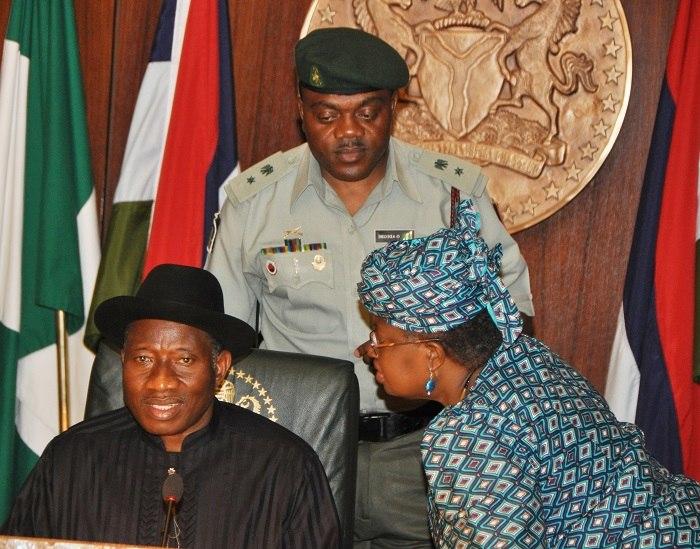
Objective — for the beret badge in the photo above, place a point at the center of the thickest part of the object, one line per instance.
(315, 77)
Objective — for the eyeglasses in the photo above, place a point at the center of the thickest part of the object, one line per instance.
(374, 342)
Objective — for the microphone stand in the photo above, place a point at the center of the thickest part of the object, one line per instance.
(168, 520)
(172, 492)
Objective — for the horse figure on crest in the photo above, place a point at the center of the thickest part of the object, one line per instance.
(533, 43)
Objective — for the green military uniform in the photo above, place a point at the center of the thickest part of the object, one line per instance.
(307, 287)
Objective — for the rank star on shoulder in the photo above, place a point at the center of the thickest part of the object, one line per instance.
(327, 14)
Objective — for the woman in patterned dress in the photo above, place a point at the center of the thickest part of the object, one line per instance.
(526, 453)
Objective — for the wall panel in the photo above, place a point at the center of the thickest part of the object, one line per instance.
(95, 26)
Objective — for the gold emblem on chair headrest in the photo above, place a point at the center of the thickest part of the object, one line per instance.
(227, 392)
(255, 397)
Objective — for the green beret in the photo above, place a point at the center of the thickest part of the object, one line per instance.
(344, 60)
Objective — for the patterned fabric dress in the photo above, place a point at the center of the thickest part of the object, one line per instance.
(533, 457)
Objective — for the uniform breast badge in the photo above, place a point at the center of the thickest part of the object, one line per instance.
(319, 262)
(293, 243)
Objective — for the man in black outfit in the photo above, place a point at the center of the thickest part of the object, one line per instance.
(247, 481)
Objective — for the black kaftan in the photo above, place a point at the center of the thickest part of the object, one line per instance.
(247, 483)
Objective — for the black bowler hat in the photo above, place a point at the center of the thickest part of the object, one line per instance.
(344, 60)
(181, 294)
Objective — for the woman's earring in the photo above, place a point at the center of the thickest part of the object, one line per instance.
(431, 383)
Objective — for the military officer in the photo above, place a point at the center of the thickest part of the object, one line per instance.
(296, 227)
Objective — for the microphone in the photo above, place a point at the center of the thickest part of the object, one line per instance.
(172, 492)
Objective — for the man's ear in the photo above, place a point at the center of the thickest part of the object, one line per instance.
(222, 366)
(300, 110)
(300, 105)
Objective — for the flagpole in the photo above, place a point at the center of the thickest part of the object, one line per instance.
(62, 363)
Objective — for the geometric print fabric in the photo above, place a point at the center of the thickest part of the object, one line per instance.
(533, 457)
(436, 283)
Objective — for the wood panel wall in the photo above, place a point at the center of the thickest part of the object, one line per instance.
(577, 257)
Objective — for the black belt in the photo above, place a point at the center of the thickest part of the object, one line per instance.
(384, 426)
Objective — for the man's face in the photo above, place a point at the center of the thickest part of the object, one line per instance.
(348, 134)
(169, 379)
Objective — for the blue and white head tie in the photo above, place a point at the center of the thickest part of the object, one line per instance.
(436, 283)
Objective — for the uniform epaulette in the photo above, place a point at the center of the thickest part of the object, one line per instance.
(257, 177)
(457, 172)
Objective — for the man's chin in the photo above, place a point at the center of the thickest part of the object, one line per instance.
(351, 175)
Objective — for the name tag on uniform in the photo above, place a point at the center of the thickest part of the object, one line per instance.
(392, 236)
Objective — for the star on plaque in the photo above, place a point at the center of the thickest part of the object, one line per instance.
(601, 129)
(611, 48)
(508, 215)
(529, 205)
(327, 15)
(613, 75)
(552, 191)
(588, 150)
(606, 22)
(459, 171)
(609, 103)
(250, 180)
(572, 172)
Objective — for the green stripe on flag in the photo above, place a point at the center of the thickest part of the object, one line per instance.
(122, 260)
(9, 341)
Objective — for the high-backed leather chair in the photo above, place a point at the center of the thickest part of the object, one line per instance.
(315, 397)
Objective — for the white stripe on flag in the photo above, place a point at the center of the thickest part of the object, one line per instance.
(144, 146)
(13, 129)
(622, 385)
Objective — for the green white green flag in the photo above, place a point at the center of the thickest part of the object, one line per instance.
(49, 241)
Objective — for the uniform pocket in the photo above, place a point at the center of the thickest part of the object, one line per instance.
(297, 269)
